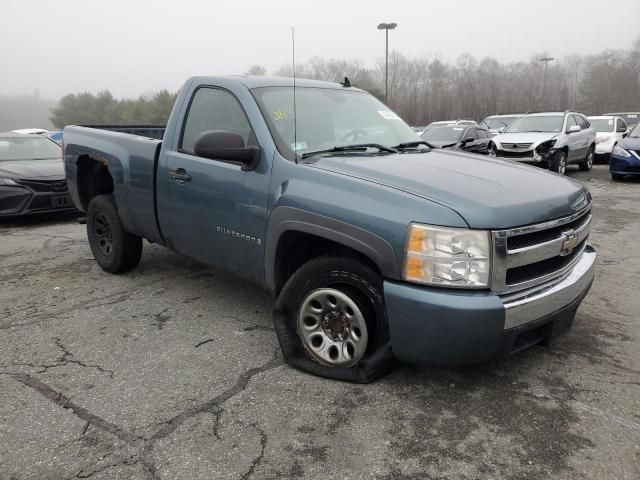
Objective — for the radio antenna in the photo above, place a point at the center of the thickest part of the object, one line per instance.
(295, 116)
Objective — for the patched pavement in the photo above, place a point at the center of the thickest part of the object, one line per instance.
(173, 371)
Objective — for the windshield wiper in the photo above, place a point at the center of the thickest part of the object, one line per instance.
(404, 145)
(351, 148)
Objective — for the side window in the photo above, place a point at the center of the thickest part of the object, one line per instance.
(570, 122)
(470, 133)
(582, 122)
(481, 133)
(214, 109)
(622, 125)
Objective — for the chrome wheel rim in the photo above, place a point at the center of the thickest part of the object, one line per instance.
(590, 159)
(332, 328)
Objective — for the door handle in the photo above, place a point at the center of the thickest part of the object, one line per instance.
(180, 174)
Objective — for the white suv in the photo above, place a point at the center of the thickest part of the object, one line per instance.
(549, 139)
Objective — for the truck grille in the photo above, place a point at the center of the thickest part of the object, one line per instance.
(535, 254)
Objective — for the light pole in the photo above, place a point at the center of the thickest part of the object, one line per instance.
(546, 61)
(386, 27)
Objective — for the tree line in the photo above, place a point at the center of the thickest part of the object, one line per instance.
(102, 108)
(426, 89)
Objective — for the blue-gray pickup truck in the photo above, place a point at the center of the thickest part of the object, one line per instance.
(375, 245)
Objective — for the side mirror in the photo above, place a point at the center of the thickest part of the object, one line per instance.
(626, 132)
(574, 129)
(621, 130)
(467, 140)
(226, 146)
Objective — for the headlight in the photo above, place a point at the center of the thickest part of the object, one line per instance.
(621, 152)
(452, 257)
(546, 146)
(8, 182)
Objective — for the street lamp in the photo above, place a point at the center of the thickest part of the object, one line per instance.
(546, 61)
(386, 27)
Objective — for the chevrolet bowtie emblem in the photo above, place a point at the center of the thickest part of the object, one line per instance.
(569, 242)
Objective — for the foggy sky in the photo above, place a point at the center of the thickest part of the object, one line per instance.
(135, 46)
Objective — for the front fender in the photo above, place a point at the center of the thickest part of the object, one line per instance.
(284, 219)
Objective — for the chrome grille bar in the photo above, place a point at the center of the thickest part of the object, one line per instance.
(550, 248)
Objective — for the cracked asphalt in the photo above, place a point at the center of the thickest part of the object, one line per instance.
(172, 371)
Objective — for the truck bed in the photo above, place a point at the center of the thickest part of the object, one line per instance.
(131, 159)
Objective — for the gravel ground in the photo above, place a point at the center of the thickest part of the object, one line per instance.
(173, 371)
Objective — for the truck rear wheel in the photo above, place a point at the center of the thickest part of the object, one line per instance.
(115, 249)
(331, 321)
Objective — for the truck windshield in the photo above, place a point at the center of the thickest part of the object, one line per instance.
(28, 147)
(328, 118)
(536, 123)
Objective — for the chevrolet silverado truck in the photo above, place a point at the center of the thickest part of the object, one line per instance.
(375, 246)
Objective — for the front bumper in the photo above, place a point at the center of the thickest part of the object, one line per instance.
(19, 201)
(625, 165)
(458, 327)
(604, 148)
(530, 157)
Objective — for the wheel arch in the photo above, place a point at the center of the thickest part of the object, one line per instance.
(94, 178)
(296, 236)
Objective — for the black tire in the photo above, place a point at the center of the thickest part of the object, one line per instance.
(362, 285)
(617, 177)
(587, 163)
(114, 249)
(559, 162)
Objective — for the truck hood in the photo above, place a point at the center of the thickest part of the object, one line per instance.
(525, 137)
(31, 169)
(488, 193)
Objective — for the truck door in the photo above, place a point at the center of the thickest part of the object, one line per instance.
(212, 210)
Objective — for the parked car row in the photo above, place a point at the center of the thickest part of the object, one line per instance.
(552, 140)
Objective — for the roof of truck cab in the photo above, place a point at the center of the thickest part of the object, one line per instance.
(251, 81)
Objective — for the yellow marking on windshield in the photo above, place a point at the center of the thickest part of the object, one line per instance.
(280, 115)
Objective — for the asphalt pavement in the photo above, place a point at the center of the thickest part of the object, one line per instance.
(173, 371)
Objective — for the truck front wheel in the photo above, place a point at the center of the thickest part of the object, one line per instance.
(331, 321)
(115, 249)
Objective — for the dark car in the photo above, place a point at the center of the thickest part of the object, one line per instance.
(464, 137)
(625, 157)
(32, 178)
